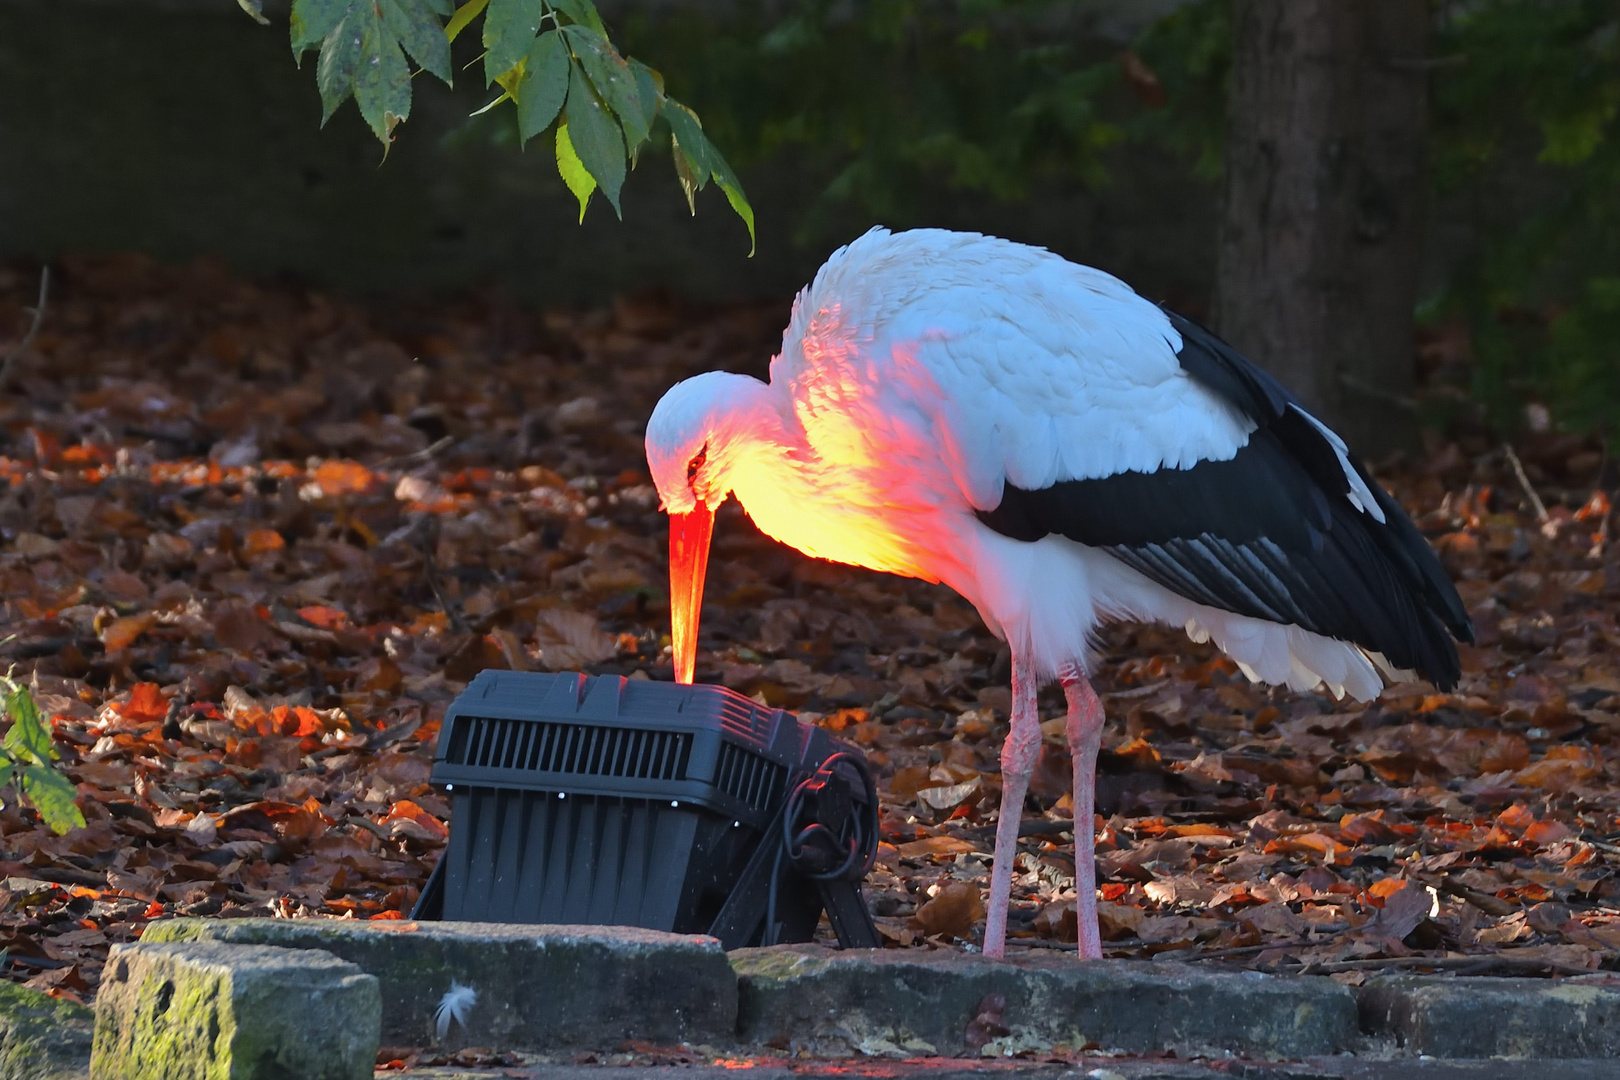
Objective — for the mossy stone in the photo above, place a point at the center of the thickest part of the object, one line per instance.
(213, 1011)
(41, 1037)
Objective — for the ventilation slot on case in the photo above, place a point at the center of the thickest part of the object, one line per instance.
(748, 777)
(579, 749)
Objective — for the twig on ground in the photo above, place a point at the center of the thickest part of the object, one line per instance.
(1601, 845)
(1524, 482)
(1333, 930)
(1044, 943)
(427, 453)
(33, 328)
(425, 535)
(392, 734)
(1222, 954)
(1490, 905)
(1026, 827)
(365, 823)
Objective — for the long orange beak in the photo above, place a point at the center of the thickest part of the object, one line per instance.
(688, 561)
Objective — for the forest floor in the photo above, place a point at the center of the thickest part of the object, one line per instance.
(255, 539)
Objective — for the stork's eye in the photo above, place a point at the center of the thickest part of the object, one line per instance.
(697, 463)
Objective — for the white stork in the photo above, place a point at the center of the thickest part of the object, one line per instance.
(1060, 451)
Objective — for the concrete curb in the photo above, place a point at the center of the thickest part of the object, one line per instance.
(1499, 1018)
(535, 987)
(895, 1002)
(1087, 1069)
(566, 989)
(1099, 1068)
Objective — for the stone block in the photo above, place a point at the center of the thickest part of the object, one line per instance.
(213, 1011)
(909, 1003)
(538, 987)
(41, 1037)
(1486, 1018)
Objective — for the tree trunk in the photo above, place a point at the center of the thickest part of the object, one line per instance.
(1317, 274)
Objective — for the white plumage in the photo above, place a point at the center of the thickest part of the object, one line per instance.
(1060, 451)
(454, 1007)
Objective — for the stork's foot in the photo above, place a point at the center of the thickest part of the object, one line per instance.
(1084, 729)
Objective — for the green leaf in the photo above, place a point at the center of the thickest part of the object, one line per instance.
(595, 136)
(690, 181)
(419, 30)
(545, 86)
(573, 170)
(739, 202)
(464, 15)
(504, 96)
(254, 8)
(582, 12)
(612, 79)
(691, 144)
(339, 62)
(382, 86)
(312, 20)
(649, 90)
(52, 794)
(509, 29)
(703, 161)
(442, 8)
(29, 739)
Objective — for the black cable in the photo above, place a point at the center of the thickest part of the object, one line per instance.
(813, 846)
(768, 935)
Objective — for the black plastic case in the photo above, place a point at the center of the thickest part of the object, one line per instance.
(605, 800)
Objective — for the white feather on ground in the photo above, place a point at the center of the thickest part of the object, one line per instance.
(454, 1006)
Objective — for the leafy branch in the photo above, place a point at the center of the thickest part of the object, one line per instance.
(551, 58)
(26, 754)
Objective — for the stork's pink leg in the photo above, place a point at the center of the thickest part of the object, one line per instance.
(1018, 756)
(1084, 728)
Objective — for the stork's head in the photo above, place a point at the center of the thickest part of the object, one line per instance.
(699, 432)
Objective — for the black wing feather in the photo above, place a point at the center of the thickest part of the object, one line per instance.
(1269, 533)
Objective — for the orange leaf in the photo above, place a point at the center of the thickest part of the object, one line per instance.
(1596, 507)
(406, 810)
(324, 617)
(1547, 832)
(120, 634)
(146, 704)
(343, 477)
(1517, 816)
(1139, 751)
(1318, 843)
(1379, 891)
(244, 752)
(262, 542)
(935, 845)
(1563, 765)
(952, 912)
(1366, 828)
(296, 722)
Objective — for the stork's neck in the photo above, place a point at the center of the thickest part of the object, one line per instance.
(816, 481)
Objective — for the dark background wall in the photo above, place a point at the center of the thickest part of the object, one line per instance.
(182, 128)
